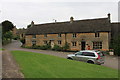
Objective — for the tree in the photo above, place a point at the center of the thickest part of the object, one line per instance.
(8, 35)
(116, 45)
(28, 26)
(7, 26)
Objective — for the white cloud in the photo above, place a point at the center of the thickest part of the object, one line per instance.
(21, 13)
(60, 0)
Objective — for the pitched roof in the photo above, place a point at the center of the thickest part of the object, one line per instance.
(21, 31)
(78, 26)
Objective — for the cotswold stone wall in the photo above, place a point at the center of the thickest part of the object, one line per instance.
(87, 37)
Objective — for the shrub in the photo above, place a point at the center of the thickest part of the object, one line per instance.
(16, 37)
(23, 41)
(44, 47)
(35, 47)
(66, 46)
(116, 45)
(29, 47)
(57, 48)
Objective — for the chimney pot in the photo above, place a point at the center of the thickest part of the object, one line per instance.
(109, 16)
(32, 24)
(71, 19)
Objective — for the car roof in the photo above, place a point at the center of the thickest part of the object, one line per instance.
(90, 50)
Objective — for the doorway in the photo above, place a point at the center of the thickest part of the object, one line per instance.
(83, 45)
(52, 43)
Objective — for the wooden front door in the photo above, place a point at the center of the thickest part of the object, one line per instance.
(83, 45)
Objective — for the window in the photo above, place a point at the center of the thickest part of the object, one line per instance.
(59, 35)
(34, 36)
(74, 35)
(59, 42)
(45, 35)
(88, 54)
(97, 45)
(79, 53)
(74, 43)
(97, 34)
(45, 42)
(33, 43)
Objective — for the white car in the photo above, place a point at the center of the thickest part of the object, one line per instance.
(89, 56)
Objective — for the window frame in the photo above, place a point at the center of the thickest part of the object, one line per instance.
(74, 35)
(97, 44)
(74, 43)
(33, 42)
(59, 35)
(97, 34)
(59, 42)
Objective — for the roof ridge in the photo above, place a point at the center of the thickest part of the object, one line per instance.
(69, 21)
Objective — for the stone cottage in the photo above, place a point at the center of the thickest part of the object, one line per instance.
(79, 34)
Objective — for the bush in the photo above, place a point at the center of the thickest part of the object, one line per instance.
(35, 47)
(16, 37)
(44, 47)
(57, 48)
(22, 41)
(66, 46)
(116, 45)
(29, 47)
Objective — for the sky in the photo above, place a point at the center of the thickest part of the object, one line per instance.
(22, 12)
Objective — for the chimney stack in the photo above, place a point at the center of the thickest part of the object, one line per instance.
(71, 19)
(32, 24)
(109, 17)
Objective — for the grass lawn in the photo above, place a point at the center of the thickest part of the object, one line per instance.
(35, 65)
(1, 49)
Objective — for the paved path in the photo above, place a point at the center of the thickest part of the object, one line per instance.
(110, 61)
(10, 69)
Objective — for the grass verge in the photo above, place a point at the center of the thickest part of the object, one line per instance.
(35, 65)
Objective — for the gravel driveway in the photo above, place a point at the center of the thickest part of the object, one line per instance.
(110, 61)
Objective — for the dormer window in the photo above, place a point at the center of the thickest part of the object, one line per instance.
(74, 35)
(59, 35)
(97, 34)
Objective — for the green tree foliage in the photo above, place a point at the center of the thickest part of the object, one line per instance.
(7, 26)
(57, 48)
(8, 35)
(116, 45)
(66, 46)
(28, 26)
(23, 41)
